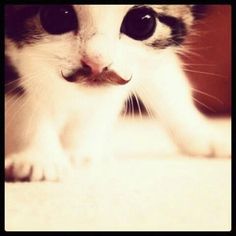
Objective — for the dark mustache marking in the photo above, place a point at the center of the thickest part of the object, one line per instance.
(84, 75)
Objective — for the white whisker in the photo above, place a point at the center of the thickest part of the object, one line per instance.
(208, 95)
(203, 104)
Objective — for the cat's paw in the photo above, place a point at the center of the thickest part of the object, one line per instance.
(86, 158)
(31, 166)
(205, 143)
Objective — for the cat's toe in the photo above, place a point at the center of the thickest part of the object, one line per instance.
(32, 167)
(221, 145)
(207, 145)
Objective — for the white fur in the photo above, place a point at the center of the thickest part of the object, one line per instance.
(57, 121)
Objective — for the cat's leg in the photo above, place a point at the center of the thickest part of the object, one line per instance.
(33, 150)
(87, 143)
(169, 96)
(87, 136)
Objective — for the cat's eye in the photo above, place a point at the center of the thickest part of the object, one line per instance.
(58, 19)
(139, 23)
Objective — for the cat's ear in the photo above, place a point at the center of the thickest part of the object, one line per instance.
(199, 11)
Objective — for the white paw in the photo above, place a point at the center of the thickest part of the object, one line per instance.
(205, 142)
(82, 158)
(31, 166)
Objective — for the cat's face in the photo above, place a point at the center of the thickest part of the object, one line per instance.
(72, 42)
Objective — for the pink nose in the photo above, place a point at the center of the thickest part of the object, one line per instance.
(95, 64)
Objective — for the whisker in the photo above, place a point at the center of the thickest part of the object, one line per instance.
(197, 64)
(124, 111)
(147, 108)
(208, 95)
(19, 105)
(203, 104)
(18, 83)
(138, 105)
(205, 73)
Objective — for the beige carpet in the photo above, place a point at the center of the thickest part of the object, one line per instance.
(148, 186)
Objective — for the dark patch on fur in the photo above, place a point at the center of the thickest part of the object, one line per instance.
(177, 26)
(178, 32)
(161, 43)
(16, 27)
(199, 11)
(12, 86)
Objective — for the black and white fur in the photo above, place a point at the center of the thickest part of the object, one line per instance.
(50, 121)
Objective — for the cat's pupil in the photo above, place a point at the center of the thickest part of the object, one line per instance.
(58, 19)
(139, 23)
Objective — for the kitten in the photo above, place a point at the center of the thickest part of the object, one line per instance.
(69, 70)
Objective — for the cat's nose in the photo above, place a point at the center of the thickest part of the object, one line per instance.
(95, 64)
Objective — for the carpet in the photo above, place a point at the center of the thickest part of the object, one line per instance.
(148, 186)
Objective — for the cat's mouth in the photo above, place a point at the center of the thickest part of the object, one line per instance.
(106, 77)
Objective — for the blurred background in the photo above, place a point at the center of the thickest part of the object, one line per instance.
(208, 64)
(211, 69)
